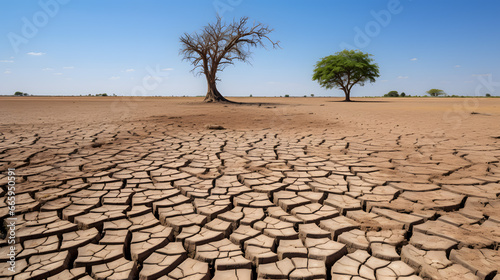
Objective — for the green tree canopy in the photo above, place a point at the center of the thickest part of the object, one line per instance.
(435, 92)
(18, 93)
(392, 93)
(344, 69)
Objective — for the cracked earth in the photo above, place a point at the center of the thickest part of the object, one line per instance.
(294, 191)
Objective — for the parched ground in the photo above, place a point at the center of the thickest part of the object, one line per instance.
(291, 188)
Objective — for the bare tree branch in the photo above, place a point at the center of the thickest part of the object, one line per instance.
(219, 45)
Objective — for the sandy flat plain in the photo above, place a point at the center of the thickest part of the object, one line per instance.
(290, 188)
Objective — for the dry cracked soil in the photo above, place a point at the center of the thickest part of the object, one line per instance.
(276, 188)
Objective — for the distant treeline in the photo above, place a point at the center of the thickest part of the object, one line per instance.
(432, 92)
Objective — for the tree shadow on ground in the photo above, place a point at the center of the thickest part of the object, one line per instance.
(360, 101)
(258, 104)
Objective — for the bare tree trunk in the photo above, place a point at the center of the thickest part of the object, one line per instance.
(347, 96)
(213, 95)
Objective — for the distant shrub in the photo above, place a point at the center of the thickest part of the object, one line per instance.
(488, 95)
(305, 95)
(402, 94)
(19, 93)
(286, 95)
(312, 94)
(391, 93)
(251, 95)
(435, 92)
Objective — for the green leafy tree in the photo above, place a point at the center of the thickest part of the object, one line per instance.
(392, 93)
(402, 94)
(435, 92)
(345, 69)
(18, 93)
(488, 95)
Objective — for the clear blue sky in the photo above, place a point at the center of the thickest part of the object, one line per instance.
(78, 47)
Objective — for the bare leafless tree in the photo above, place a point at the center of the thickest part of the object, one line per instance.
(219, 45)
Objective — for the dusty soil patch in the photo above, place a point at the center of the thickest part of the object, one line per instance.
(140, 188)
